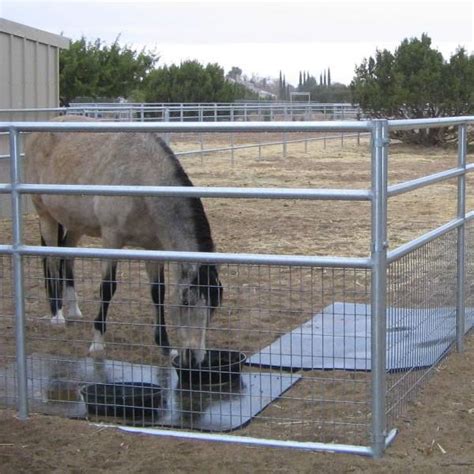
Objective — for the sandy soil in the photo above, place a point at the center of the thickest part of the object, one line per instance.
(436, 431)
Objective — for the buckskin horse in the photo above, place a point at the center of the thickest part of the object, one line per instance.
(175, 223)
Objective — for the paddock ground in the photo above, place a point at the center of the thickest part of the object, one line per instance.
(436, 430)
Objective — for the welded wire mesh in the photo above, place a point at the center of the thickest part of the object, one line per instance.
(421, 318)
(261, 303)
(469, 276)
(7, 329)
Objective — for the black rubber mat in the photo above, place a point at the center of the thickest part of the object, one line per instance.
(339, 337)
(54, 388)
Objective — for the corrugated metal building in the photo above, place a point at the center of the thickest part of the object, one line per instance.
(29, 78)
(29, 72)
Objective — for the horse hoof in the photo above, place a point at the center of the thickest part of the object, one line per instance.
(58, 319)
(74, 312)
(97, 350)
(173, 354)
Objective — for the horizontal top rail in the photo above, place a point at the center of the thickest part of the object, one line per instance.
(429, 122)
(192, 191)
(226, 127)
(316, 126)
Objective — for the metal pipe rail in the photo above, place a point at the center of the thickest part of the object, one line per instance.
(200, 111)
(418, 183)
(192, 191)
(175, 256)
(196, 127)
(424, 239)
(242, 147)
(261, 144)
(407, 124)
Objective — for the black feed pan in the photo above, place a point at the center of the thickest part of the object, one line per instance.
(126, 400)
(218, 367)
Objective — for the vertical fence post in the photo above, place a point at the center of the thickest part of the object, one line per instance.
(379, 245)
(201, 148)
(166, 136)
(18, 275)
(460, 303)
(232, 149)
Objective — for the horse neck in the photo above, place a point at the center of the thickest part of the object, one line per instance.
(182, 226)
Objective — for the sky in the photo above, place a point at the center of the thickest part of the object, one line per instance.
(261, 37)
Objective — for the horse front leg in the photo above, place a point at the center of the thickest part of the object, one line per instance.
(70, 298)
(107, 290)
(70, 239)
(156, 274)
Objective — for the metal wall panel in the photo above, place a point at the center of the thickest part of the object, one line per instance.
(29, 77)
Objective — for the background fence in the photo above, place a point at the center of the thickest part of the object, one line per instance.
(197, 144)
(336, 346)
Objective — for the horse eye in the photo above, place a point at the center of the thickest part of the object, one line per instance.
(185, 298)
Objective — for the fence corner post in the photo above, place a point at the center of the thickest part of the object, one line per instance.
(21, 365)
(461, 214)
(379, 246)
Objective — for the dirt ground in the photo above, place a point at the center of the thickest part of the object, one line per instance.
(436, 430)
(436, 435)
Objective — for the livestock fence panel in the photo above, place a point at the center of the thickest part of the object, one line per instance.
(334, 347)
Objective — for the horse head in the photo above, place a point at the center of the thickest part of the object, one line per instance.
(199, 292)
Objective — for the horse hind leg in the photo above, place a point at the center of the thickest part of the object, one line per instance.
(53, 267)
(70, 298)
(107, 290)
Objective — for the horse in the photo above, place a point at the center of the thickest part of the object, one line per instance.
(153, 223)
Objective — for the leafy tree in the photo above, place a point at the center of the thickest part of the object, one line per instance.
(94, 69)
(416, 82)
(325, 93)
(191, 82)
(235, 72)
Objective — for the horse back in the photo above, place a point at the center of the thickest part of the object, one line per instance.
(120, 158)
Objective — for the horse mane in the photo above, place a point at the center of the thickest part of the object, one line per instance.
(206, 280)
(201, 223)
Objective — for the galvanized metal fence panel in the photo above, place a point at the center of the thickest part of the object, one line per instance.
(403, 309)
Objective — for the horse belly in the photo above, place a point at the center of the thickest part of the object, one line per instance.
(75, 213)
